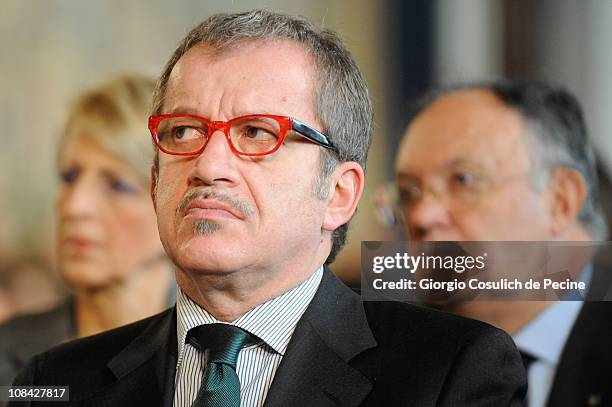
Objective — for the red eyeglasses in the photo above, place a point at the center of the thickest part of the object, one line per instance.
(252, 135)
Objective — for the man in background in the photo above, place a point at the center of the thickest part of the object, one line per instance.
(512, 161)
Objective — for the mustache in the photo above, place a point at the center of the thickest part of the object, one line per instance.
(243, 208)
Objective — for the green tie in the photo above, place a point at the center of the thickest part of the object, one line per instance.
(220, 385)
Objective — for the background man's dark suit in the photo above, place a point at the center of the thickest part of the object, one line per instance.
(584, 372)
(343, 353)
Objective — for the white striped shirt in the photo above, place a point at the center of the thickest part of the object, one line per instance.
(273, 322)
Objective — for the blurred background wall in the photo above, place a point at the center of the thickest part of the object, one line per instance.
(53, 49)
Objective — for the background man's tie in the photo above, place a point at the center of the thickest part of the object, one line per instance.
(528, 360)
(220, 385)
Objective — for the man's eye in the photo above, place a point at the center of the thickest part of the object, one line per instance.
(409, 194)
(258, 134)
(184, 133)
(463, 179)
(69, 176)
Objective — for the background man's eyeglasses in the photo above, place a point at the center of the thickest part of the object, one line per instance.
(460, 190)
(252, 135)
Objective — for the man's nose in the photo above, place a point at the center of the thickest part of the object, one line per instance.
(430, 212)
(216, 164)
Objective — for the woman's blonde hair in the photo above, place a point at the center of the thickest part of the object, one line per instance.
(114, 116)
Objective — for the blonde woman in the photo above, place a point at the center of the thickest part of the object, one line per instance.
(108, 245)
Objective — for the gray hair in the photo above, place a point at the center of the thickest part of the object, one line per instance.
(556, 134)
(343, 104)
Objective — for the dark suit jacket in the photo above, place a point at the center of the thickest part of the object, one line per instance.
(584, 373)
(27, 335)
(343, 353)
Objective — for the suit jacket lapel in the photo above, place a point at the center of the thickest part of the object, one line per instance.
(152, 354)
(315, 370)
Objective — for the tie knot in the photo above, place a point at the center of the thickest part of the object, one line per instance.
(528, 359)
(222, 340)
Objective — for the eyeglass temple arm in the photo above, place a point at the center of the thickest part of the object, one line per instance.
(312, 134)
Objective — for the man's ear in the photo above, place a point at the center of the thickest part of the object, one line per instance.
(568, 193)
(154, 186)
(346, 186)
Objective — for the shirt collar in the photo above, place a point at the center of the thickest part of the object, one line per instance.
(545, 336)
(273, 321)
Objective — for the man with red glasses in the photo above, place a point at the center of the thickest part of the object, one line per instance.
(262, 124)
